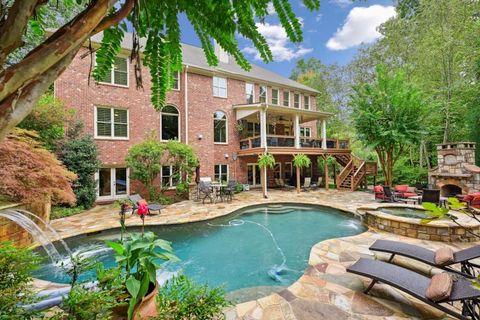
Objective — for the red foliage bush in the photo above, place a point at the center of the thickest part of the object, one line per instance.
(28, 172)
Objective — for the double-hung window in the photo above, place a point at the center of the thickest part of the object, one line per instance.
(111, 123)
(219, 127)
(249, 92)
(306, 132)
(221, 172)
(219, 87)
(262, 97)
(118, 74)
(169, 176)
(286, 98)
(274, 96)
(306, 103)
(296, 100)
(176, 80)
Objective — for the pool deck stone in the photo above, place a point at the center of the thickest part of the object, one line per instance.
(326, 290)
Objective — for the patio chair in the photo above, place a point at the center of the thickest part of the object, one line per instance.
(317, 184)
(388, 195)
(281, 183)
(135, 198)
(205, 190)
(229, 190)
(462, 257)
(307, 183)
(416, 285)
(431, 195)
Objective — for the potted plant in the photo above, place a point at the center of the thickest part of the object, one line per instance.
(137, 257)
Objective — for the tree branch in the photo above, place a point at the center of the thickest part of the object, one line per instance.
(14, 26)
(116, 17)
(14, 109)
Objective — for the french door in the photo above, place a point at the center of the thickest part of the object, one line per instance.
(112, 183)
(253, 175)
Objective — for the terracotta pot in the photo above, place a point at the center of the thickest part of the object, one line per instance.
(147, 307)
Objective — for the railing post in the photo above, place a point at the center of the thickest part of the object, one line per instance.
(249, 143)
(297, 131)
(263, 128)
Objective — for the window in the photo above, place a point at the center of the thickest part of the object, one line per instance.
(287, 172)
(249, 92)
(274, 96)
(277, 171)
(219, 87)
(306, 104)
(111, 123)
(296, 100)
(169, 176)
(305, 132)
(262, 97)
(286, 98)
(118, 74)
(221, 172)
(169, 124)
(176, 80)
(219, 127)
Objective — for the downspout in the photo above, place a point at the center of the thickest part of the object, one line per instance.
(186, 104)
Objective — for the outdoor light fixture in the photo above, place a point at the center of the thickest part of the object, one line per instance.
(226, 155)
(199, 136)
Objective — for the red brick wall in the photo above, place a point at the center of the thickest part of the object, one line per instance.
(72, 87)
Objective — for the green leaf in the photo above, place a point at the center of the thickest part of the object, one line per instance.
(163, 244)
(133, 286)
(117, 247)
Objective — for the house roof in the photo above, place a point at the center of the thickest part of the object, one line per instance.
(195, 57)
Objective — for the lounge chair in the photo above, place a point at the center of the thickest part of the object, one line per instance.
(416, 285)
(462, 257)
(281, 183)
(317, 184)
(307, 183)
(389, 196)
(135, 198)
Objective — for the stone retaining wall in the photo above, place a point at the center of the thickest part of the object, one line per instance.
(419, 231)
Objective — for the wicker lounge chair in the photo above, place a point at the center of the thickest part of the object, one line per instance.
(416, 285)
(462, 257)
(135, 198)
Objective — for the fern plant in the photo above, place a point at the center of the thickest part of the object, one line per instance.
(266, 160)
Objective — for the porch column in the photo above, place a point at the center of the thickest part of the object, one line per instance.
(325, 170)
(297, 131)
(263, 128)
(324, 134)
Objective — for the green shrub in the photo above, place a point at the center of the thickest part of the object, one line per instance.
(405, 173)
(182, 299)
(62, 212)
(80, 155)
(238, 187)
(16, 265)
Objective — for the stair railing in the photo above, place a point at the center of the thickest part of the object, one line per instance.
(344, 173)
(358, 176)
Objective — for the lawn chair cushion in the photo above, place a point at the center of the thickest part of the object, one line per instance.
(402, 188)
(471, 196)
(444, 256)
(378, 189)
(412, 190)
(440, 287)
(142, 202)
(409, 194)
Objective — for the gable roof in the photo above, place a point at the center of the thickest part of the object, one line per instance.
(195, 57)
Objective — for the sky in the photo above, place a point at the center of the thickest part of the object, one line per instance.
(332, 34)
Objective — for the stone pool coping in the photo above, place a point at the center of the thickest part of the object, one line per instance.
(437, 230)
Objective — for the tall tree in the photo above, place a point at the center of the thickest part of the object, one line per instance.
(387, 116)
(22, 83)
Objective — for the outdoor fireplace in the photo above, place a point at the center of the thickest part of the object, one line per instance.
(456, 172)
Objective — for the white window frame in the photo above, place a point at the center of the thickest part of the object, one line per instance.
(283, 98)
(226, 127)
(112, 184)
(278, 96)
(217, 86)
(304, 130)
(299, 100)
(248, 94)
(112, 75)
(170, 177)
(254, 174)
(266, 93)
(179, 124)
(112, 137)
(179, 81)
(220, 171)
(307, 98)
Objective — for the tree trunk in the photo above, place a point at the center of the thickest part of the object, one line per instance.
(297, 171)
(264, 182)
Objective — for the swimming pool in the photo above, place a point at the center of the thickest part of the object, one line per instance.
(254, 247)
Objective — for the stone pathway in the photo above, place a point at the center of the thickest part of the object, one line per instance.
(325, 291)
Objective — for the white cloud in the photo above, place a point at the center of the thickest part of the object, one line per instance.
(280, 46)
(318, 17)
(271, 9)
(342, 3)
(360, 27)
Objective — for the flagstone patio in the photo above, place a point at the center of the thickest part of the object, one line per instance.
(325, 291)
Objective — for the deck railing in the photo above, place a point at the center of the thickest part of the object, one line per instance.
(289, 142)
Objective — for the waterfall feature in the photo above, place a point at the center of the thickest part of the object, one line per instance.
(23, 219)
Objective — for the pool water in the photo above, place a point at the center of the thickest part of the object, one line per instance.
(261, 246)
(406, 212)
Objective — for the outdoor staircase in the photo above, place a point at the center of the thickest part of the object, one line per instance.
(354, 171)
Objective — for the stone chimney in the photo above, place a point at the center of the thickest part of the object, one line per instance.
(221, 54)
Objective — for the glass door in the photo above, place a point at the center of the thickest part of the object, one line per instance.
(112, 183)
(253, 175)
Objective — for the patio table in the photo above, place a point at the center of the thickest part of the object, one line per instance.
(217, 187)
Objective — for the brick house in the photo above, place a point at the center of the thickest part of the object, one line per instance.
(227, 115)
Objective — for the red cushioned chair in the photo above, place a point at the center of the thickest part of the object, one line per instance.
(405, 191)
(379, 194)
(473, 200)
(475, 203)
